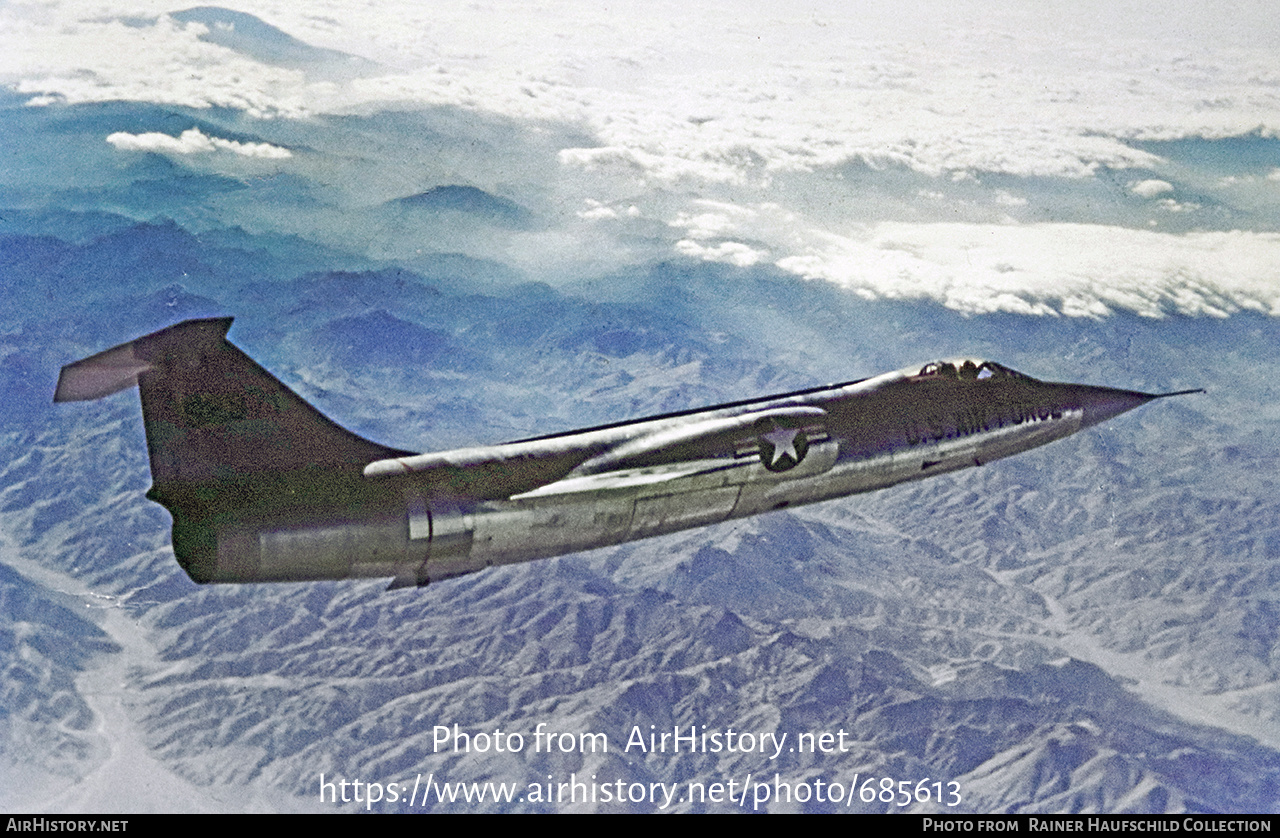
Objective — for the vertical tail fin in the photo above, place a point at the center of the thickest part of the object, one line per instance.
(212, 414)
(232, 450)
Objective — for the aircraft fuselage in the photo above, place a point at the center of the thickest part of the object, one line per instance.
(263, 488)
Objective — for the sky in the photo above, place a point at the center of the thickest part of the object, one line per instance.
(1058, 159)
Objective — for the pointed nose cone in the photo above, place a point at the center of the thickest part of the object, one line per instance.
(1103, 403)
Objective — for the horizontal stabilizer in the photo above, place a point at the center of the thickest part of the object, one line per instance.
(118, 368)
(105, 373)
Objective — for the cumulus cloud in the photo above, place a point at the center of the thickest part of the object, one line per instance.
(598, 211)
(712, 219)
(1170, 205)
(731, 252)
(1151, 188)
(194, 141)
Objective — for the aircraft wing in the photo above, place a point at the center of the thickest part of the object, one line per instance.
(717, 444)
(628, 478)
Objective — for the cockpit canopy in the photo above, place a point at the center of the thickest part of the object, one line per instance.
(969, 369)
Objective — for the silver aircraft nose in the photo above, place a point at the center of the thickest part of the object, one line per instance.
(1103, 403)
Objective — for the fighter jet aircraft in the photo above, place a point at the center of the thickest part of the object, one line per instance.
(262, 487)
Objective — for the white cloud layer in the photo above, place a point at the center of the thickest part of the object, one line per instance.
(1077, 270)
(723, 92)
(59, 53)
(194, 141)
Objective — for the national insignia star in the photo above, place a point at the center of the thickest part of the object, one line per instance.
(783, 441)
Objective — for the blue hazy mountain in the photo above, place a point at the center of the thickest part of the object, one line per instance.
(263, 42)
(1091, 626)
(379, 339)
(480, 205)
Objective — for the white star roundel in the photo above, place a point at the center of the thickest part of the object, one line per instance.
(782, 448)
